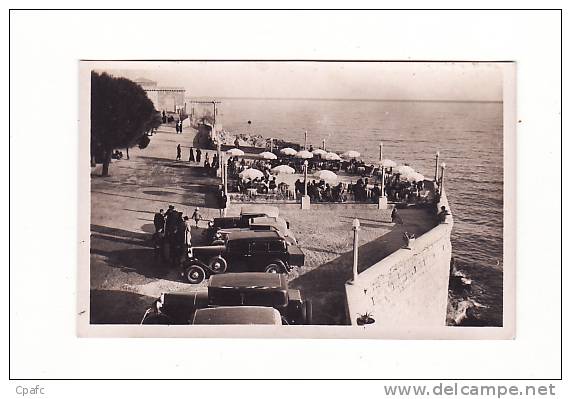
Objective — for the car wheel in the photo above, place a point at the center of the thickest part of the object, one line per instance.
(275, 267)
(195, 274)
(218, 265)
(307, 312)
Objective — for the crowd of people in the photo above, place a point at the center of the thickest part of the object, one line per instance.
(173, 233)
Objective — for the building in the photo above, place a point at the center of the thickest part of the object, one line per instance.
(169, 99)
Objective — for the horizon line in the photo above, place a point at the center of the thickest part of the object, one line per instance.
(346, 99)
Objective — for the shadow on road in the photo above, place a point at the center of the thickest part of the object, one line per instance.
(325, 285)
(117, 307)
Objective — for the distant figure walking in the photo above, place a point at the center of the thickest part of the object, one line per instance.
(180, 127)
(222, 200)
(443, 214)
(191, 155)
(159, 221)
(196, 216)
(395, 217)
(187, 232)
(177, 127)
(198, 155)
(178, 152)
(164, 117)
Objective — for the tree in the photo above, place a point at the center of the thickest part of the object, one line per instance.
(121, 116)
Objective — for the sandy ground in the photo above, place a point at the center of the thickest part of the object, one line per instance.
(126, 276)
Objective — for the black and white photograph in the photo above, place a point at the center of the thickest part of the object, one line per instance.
(249, 201)
(367, 196)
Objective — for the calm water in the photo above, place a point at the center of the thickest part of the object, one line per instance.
(468, 136)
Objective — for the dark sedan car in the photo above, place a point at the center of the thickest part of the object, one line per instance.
(243, 251)
(251, 290)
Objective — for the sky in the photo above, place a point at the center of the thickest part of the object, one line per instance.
(468, 81)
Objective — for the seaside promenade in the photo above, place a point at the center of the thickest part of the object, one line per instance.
(126, 276)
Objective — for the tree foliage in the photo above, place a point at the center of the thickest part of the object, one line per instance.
(121, 116)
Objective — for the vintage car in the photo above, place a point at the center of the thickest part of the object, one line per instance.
(265, 210)
(238, 315)
(247, 214)
(232, 290)
(242, 251)
(256, 223)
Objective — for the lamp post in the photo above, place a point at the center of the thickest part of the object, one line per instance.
(442, 168)
(436, 168)
(305, 177)
(305, 203)
(356, 228)
(225, 174)
(305, 140)
(323, 146)
(381, 151)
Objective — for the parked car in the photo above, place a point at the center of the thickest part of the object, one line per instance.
(247, 214)
(243, 290)
(237, 315)
(243, 251)
(265, 210)
(256, 223)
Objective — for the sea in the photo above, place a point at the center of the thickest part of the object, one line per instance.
(469, 138)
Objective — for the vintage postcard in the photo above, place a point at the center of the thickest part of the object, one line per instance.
(297, 199)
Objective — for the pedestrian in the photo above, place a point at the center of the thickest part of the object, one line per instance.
(164, 117)
(196, 216)
(159, 221)
(178, 239)
(169, 211)
(191, 155)
(198, 155)
(222, 200)
(180, 127)
(443, 214)
(178, 152)
(187, 232)
(395, 217)
(170, 221)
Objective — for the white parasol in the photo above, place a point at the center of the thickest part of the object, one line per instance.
(250, 173)
(268, 155)
(351, 154)
(387, 163)
(234, 152)
(319, 152)
(285, 169)
(404, 170)
(288, 151)
(326, 175)
(331, 156)
(416, 177)
(304, 154)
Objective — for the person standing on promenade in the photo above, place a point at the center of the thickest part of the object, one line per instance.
(196, 216)
(222, 201)
(442, 214)
(187, 233)
(178, 152)
(178, 239)
(180, 127)
(198, 155)
(191, 155)
(395, 217)
(159, 221)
